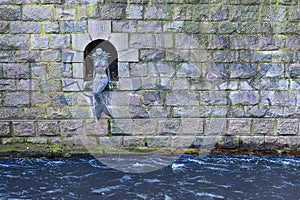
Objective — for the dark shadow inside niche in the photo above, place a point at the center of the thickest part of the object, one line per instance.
(112, 61)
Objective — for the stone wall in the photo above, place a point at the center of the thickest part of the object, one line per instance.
(191, 72)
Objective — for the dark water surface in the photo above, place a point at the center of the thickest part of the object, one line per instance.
(189, 177)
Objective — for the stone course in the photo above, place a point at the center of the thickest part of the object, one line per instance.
(190, 73)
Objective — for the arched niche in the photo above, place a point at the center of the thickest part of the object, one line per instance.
(113, 59)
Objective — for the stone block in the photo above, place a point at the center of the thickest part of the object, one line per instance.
(98, 128)
(118, 98)
(36, 13)
(138, 69)
(24, 128)
(17, 99)
(216, 126)
(239, 126)
(144, 127)
(73, 26)
(164, 40)
(283, 98)
(4, 27)
(181, 141)
(129, 83)
(134, 141)
(51, 27)
(152, 55)
(267, 84)
(154, 98)
(169, 127)
(182, 12)
(252, 142)
(123, 69)
(142, 41)
(272, 70)
(119, 111)
(213, 98)
(124, 26)
(161, 69)
(130, 55)
(113, 11)
(244, 13)
(65, 12)
(80, 41)
(134, 12)
(11, 113)
(71, 128)
(51, 1)
(14, 42)
(293, 70)
(184, 41)
(173, 27)
(111, 142)
(256, 112)
(158, 12)
(160, 112)
(210, 13)
(192, 126)
(271, 42)
(244, 42)
(25, 27)
(283, 56)
(182, 98)
(59, 41)
(149, 27)
(35, 113)
(61, 99)
(274, 13)
(39, 42)
(88, 11)
(59, 70)
(10, 13)
(5, 129)
(78, 70)
(263, 126)
(119, 40)
(287, 126)
(69, 56)
(38, 71)
(48, 128)
(243, 70)
(121, 126)
(138, 112)
(254, 56)
(16, 71)
(225, 56)
(157, 141)
(51, 56)
(40, 99)
(50, 85)
(218, 42)
(244, 98)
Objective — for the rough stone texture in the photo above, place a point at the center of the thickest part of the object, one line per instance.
(23, 128)
(200, 70)
(48, 128)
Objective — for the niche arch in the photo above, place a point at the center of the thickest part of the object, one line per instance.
(112, 61)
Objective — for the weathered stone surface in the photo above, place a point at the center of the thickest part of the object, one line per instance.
(192, 126)
(39, 42)
(138, 112)
(113, 11)
(64, 99)
(121, 127)
(262, 126)
(35, 113)
(272, 70)
(16, 71)
(144, 127)
(225, 56)
(216, 126)
(157, 141)
(11, 113)
(50, 85)
(72, 26)
(213, 98)
(293, 70)
(51, 27)
(25, 27)
(36, 13)
(48, 128)
(119, 40)
(5, 129)
(80, 41)
(130, 55)
(22, 128)
(288, 126)
(242, 70)
(17, 99)
(159, 112)
(154, 98)
(111, 142)
(182, 98)
(134, 12)
(218, 42)
(244, 98)
(152, 55)
(59, 41)
(10, 13)
(158, 12)
(14, 42)
(71, 128)
(239, 126)
(161, 69)
(69, 56)
(65, 12)
(99, 128)
(169, 127)
(142, 41)
(244, 13)
(124, 26)
(175, 26)
(210, 13)
(134, 141)
(40, 99)
(51, 56)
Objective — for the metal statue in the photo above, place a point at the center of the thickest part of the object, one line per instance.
(101, 79)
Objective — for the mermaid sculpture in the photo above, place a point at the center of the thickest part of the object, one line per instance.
(100, 80)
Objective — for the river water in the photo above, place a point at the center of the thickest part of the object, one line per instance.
(189, 177)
